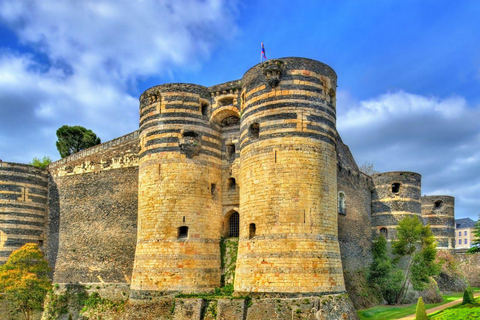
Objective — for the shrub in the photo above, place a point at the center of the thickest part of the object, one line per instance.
(468, 296)
(420, 312)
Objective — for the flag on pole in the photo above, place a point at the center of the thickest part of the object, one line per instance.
(263, 56)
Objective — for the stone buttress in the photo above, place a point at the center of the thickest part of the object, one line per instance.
(439, 213)
(23, 206)
(179, 223)
(395, 196)
(288, 180)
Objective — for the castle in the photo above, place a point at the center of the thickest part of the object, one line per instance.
(258, 159)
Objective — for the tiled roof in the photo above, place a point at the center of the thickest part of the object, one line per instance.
(464, 223)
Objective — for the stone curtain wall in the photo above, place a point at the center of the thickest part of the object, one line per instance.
(23, 206)
(288, 181)
(439, 213)
(354, 226)
(92, 218)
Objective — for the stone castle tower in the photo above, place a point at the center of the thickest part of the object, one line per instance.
(269, 139)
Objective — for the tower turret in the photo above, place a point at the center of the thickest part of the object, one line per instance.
(23, 206)
(288, 180)
(395, 195)
(439, 213)
(179, 223)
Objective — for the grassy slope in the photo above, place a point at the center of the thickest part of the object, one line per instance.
(396, 312)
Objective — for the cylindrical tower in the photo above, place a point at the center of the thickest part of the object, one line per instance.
(288, 180)
(395, 195)
(179, 218)
(23, 206)
(439, 213)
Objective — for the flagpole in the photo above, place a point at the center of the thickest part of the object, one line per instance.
(261, 53)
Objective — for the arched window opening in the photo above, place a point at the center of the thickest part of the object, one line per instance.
(438, 205)
(254, 131)
(229, 121)
(213, 190)
(230, 150)
(341, 203)
(234, 225)
(395, 187)
(204, 109)
(251, 230)
(183, 232)
(232, 184)
(384, 232)
(227, 101)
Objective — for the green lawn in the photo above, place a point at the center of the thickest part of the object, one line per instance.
(396, 312)
(461, 312)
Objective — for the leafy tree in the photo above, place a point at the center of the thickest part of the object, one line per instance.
(24, 280)
(383, 273)
(36, 162)
(476, 240)
(72, 139)
(368, 168)
(416, 241)
(420, 312)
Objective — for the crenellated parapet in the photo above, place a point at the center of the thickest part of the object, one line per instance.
(23, 206)
(438, 211)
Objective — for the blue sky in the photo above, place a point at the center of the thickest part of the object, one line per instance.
(408, 88)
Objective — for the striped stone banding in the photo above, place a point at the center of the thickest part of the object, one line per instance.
(159, 271)
(21, 179)
(292, 254)
(216, 155)
(21, 170)
(177, 132)
(22, 214)
(16, 243)
(173, 122)
(16, 231)
(205, 143)
(164, 116)
(315, 136)
(21, 222)
(296, 100)
(22, 206)
(298, 269)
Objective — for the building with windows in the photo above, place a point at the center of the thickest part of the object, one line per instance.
(464, 229)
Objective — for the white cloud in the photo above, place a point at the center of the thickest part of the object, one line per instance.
(84, 55)
(439, 138)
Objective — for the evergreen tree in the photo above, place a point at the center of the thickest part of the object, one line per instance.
(468, 296)
(383, 273)
(476, 238)
(24, 280)
(420, 312)
(72, 139)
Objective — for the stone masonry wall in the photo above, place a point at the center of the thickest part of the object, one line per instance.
(23, 206)
(354, 224)
(92, 218)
